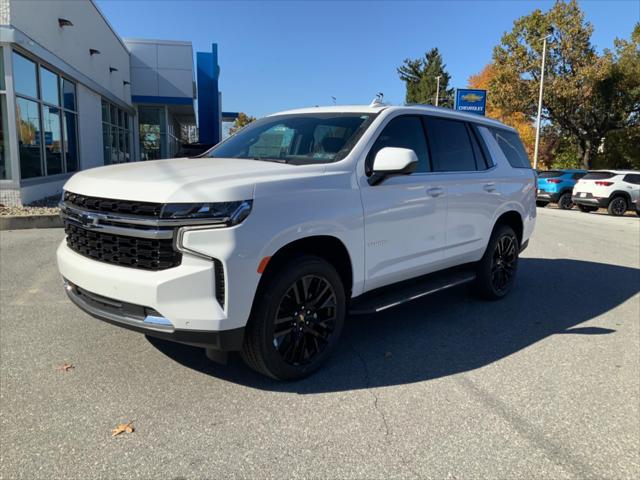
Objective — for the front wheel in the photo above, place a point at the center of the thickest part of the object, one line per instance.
(564, 202)
(296, 320)
(617, 206)
(496, 271)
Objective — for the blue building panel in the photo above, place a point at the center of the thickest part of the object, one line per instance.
(208, 72)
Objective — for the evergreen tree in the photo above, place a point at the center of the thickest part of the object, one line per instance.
(420, 76)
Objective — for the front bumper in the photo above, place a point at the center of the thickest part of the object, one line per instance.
(148, 321)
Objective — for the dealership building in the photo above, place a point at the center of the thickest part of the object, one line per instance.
(74, 95)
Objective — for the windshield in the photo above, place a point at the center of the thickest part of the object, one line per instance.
(298, 139)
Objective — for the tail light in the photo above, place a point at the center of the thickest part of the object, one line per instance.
(604, 184)
(554, 180)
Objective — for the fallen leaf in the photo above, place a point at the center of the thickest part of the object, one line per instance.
(388, 354)
(65, 367)
(123, 427)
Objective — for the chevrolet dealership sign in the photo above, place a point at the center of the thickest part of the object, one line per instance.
(471, 101)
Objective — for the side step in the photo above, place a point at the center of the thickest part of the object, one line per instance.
(388, 297)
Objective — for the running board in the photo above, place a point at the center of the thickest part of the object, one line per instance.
(388, 297)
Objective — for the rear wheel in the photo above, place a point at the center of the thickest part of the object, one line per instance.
(617, 206)
(496, 270)
(564, 202)
(587, 208)
(297, 319)
(541, 204)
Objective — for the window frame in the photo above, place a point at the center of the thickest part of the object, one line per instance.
(469, 131)
(368, 163)
(42, 104)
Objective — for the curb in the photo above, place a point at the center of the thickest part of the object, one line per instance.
(32, 221)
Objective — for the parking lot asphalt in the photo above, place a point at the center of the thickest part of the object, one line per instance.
(544, 384)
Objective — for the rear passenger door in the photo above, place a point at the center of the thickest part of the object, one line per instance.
(464, 169)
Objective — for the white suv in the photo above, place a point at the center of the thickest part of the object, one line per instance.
(615, 190)
(263, 244)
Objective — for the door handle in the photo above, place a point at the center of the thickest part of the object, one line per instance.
(490, 187)
(435, 191)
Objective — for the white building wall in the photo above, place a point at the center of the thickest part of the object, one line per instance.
(90, 128)
(39, 21)
(161, 68)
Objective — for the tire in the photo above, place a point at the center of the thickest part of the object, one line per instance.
(587, 208)
(494, 279)
(541, 204)
(617, 206)
(564, 202)
(295, 348)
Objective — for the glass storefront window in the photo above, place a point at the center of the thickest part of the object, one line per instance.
(70, 142)
(49, 87)
(28, 124)
(5, 158)
(106, 144)
(2, 84)
(24, 76)
(115, 151)
(68, 94)
(152, 142)
(52, 139)
(105, 112)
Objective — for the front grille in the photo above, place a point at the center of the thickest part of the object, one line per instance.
(107, 205)
(142, 253)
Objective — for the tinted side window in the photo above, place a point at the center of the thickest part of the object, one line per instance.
(450, 145)
(403, 132)
(478, 152)
(512, 147)
(632, 178)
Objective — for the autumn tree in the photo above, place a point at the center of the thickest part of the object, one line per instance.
(585, 94)
(241, 120)
(420, 77)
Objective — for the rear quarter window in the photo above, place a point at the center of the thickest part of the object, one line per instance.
(512, 147)
(632, 178)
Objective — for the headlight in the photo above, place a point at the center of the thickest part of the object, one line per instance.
(230, 213)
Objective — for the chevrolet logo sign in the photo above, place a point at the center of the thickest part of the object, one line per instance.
(471, 97)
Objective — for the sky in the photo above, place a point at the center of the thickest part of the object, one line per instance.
(277, 55)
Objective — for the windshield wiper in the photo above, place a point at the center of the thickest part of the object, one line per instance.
(271, 159)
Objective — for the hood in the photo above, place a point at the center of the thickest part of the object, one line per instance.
(184, 179)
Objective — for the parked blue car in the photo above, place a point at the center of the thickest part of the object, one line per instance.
(555, 186)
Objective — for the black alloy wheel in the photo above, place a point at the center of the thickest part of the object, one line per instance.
(617, 206)
(564, 202)
(503, 265)
(296, 319)
(305, 320)
(496, 270)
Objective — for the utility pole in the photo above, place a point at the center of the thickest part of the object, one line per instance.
(437, 89)
(544, 55)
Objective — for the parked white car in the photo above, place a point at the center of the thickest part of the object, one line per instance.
(615, 190)
(265, 243)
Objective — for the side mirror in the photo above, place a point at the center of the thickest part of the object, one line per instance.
(393, 161)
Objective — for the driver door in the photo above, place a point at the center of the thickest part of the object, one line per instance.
(404, 215)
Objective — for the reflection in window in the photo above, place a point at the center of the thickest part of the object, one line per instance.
(152, 145)
(5, 157)
(49, 86)
(52, 139)
(68, 94)
(28, 124)
(24, 76)
(71, 142)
